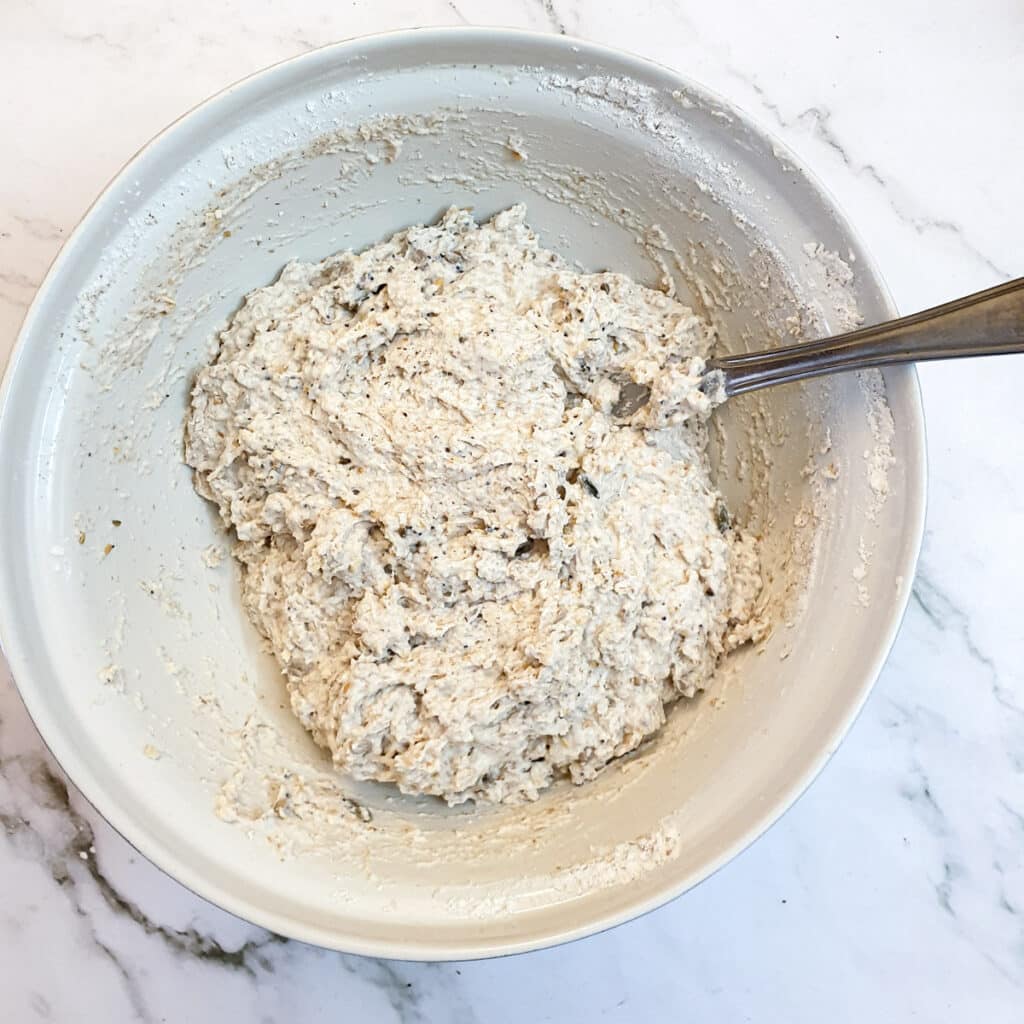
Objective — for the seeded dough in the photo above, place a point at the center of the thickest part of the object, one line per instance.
(475, 575)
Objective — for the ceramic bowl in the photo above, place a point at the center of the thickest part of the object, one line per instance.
(124, 630)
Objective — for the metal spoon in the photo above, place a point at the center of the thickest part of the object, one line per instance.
(987, 323)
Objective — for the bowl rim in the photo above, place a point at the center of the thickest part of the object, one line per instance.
(17, 654)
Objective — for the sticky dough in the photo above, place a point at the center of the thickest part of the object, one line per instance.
(475, 576)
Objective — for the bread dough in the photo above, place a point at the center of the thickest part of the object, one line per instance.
(475, 576)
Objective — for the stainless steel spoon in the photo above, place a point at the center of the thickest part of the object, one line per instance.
(987, 323)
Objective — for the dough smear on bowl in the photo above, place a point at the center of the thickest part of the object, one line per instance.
(475, 576)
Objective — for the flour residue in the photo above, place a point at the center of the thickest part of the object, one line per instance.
(625, 863)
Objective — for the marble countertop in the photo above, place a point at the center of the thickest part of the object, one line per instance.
(894, 890)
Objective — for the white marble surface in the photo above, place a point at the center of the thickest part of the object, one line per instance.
(895, 889)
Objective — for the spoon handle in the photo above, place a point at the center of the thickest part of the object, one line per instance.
(987, 323)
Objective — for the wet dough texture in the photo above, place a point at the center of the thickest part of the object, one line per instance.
(476, 577)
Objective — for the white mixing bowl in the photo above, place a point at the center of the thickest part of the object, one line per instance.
(131, 651)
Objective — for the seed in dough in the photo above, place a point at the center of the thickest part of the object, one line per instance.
(479, 570)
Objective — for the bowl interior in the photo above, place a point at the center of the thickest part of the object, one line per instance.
(123, 625)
